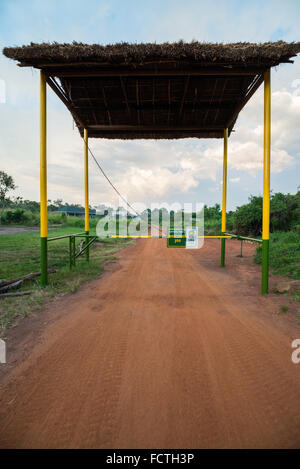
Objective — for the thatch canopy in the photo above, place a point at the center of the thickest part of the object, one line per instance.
(154, 90)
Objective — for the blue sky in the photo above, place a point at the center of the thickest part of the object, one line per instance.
(148, 171)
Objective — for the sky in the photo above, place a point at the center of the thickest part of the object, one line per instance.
(148, 171)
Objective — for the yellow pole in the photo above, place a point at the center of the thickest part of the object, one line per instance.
(43, 178)
(266, 182)
(224, 189)
(86, 188)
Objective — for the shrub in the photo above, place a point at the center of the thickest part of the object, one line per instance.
(15, 216)
(57, 218)
(284, 254)
(284, 214)
(75, 221)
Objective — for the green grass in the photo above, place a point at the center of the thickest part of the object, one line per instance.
(295, 296)
(212, 226)
(284, 254)
(20, 255)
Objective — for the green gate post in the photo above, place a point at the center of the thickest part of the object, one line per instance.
(172, 221)
(118, 223)
(74, 250)
(87, 251)
(266, 184)
(149, 222)
(70, 252)
(224, 195)
(265, 266)
(160, 223)
(43, 180)
(223, 251)
(194, 218)
(44, 262)
(86, 190)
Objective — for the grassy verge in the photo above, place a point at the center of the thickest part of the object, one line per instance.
(212, 226)
(284, 254)
(20, 254)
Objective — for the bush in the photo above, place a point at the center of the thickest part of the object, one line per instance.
(284, 254)
(248, 217)
(57, 218)
(75, 221)
(212, 212)
(15, 216)
(284, 214)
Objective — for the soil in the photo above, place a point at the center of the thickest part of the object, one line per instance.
(165, 350)
(5, 230)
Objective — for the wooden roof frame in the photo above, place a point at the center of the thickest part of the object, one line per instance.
(140, 130)
(181, 71)
(132, 91)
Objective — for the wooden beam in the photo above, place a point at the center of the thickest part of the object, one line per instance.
(253, 87)
(57, 90)
(163, 101)
(138, 102)
(90, 107)
(220, 100)
(187, 133)
(186, 85)
(155, 63)
(210, 71)
(125, 97)
(68, 89)
(211, 99)
(169, 100)
(153, 101)
(106, 106)
(150, 128)
(160, 107)
(195, 99)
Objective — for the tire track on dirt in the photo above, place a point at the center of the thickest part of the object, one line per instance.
(158, 355)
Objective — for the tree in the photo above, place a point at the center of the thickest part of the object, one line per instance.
(248, 217)
(284, 214)
(212, 212)
(6, 184)
(58, 203)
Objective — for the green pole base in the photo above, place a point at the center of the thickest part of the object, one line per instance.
(74, 250)
(160, 224)
(223, 251)
(87, 251)
(44, 262)
(70, 252)
(265, 267)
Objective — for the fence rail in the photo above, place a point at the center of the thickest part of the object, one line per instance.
(72, 247)
(244, 238)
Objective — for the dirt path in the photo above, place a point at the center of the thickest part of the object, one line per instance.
(5, 230)
(168, 351)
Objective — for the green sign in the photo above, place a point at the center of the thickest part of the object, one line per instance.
(176, 242)
(176, 239)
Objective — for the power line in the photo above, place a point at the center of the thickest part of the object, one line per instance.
(112, 185)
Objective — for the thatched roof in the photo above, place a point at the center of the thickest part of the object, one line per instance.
(154, 90)
(242, 53)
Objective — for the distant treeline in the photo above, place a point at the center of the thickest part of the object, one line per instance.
(33, 206)
(245, 220)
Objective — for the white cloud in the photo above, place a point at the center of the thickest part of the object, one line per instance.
(157, 183)
(148, 169)
(141, 168)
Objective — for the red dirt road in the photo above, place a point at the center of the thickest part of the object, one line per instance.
(169, 350)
